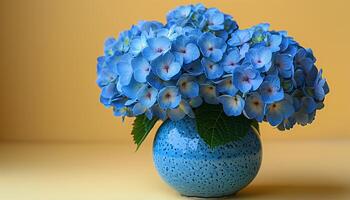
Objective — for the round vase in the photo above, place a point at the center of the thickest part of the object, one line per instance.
(190, 166)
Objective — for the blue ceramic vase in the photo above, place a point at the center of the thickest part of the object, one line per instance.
(188, 165)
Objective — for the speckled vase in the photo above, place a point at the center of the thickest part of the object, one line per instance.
(188, 165)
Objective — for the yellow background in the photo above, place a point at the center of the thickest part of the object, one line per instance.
(49, 49)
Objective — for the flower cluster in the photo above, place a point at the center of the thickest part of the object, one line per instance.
(201, 56)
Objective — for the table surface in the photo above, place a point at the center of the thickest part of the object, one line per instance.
(106, 171)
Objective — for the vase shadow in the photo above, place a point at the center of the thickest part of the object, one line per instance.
(311, 189)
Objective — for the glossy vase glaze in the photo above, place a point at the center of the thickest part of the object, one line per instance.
(188, 165)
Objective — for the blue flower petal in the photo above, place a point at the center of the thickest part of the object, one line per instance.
(212, 70)
(169, 97)
(232, 105)
(239, 37)
(196, 102)
(243, 50)
(246, 78)
(138, 44)
(231, 60)
(226, 86)
(191, 53)
(156, 47)
(211, 46)
(274, 117)
(308, 104)
(125, 73)
(141, 69)
(274, 41)
(209, 93)
(259, 56)
(109, 91)
(180, 111)
(138, 109)
(270, 90)
(188, 86)
(254, 107)
(284, 65)
(149, 114)
(166, 67)
(176, 114)
(195, 68)
(279, 111)
(132, 89)
(159, 112)
(147, 96)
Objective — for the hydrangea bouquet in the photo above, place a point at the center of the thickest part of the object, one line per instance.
(201, 65)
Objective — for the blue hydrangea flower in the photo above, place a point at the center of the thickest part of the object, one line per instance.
(131, 89)
(201, 56)
(124, 40)
(273, 42)
(260, 57)
(109, 91)
(156, 47)
(239, 37)
(195, 68)
(212, 70)
(321, 87)
(230, 25)
(121, 112)
(232, 105)
(159, 112)
(158, 83)
(209, 93)
(141, 68)
(271, 90)
(166, 66)
(287, 124)
(125, 69)
(246, 78)
(243, 50)
(196, 102)
(149, 26)
(138, 109)
(188, 86)
(278, 111)
(110, 47)
(215, 19)
(254, 107)
(307, 105)
(171, 33)
(226, 86)
(147, 96)
(304, 60)
(259, 34)
(187, 50)
(303, 118)
(212, 47)
(138, 44)
(180, 111)
(231, 60)
(180, 15)
(105, 77)
(169, 97)
(299, 78)
(284, 64)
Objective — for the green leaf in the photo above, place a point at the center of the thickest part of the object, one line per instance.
(141, 127)
(216, 128)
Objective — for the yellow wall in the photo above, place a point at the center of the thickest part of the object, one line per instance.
(49, 49)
